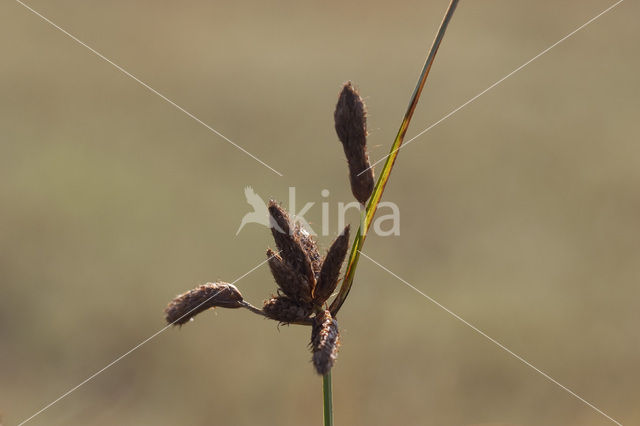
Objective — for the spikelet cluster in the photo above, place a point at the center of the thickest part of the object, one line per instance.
(305, 279)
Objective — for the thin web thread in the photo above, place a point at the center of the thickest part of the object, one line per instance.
(494, 341)
(94, 375)
(145, 85)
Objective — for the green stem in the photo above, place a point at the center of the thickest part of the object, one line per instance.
(327, 399)
(388, 165)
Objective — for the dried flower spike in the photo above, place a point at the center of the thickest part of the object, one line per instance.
(286, 310)
(328, 279)
(325, 340)
(187, 305)
(310, 247)
(351, 126)
(292, 283)
(288, 242)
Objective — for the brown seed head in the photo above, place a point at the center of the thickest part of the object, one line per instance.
(292, 283)
(310, 247)
(285, 310)
(350, 119)
(289, 243)
(325, 340)
(187, 305)
(330, 271)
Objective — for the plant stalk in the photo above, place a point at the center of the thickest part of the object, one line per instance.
(374, 200)
(327, 397)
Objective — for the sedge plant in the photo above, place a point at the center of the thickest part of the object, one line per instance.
(307, 280)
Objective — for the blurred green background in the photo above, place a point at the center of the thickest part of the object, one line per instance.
(521, 213)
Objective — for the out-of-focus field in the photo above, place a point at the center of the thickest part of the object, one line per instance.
(521, 212)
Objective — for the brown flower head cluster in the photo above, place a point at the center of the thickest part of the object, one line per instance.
(305, 279)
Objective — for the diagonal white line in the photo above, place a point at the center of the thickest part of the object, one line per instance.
(145, 85)
(94, 375)
(494, 341)
(496, 83)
